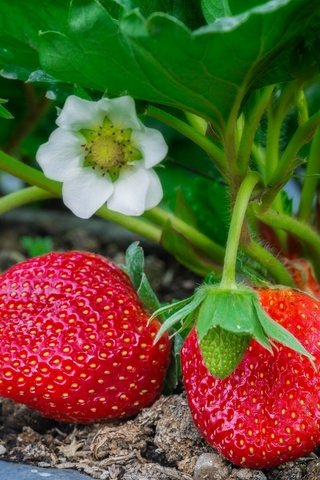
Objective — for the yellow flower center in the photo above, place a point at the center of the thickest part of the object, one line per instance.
(109, 148)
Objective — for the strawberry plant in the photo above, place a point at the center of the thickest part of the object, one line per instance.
(195, 125)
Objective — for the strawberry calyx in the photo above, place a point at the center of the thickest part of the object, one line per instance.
(134, 268)
(226, 320)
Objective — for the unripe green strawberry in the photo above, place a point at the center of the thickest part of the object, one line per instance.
(268, 410)
(74, 340)
(223, 350)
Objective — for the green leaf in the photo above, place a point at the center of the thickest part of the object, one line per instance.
(160, 60)
(4, 113)
(36, 246)
(213, 9)
(187, 12)
(20, 24)
(200, 197)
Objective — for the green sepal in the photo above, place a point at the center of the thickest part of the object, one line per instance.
(279, 333)
(134, 263)
(134, 267)
(239, 312)
(184, 314)
(233, 311)
(222, 351)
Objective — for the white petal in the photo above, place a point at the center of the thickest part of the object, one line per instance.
(151, 144)
(134, 191)
(154, 192)
(86, 192)
(61, 154)
(122, 112)
(78, 113)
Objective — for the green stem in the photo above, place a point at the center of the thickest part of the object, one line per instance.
(198, 239)
(203, 142)
(281, 235)
(295, 227)
(252, 123)
(237, 219)
(302, 106)
(289, 157)
(270, 262)
(23, 197)
(134, 224)
(276, 115)
(310, 180)
(28, 174)
(272, 145)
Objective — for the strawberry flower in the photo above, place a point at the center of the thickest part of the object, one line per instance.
(104, 154)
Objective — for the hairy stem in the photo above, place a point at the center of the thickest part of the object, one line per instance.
(311, 180)
(269, 262)
(198, 239)
(295, 227)
(238, 215)
(289, 157)
(252, 122)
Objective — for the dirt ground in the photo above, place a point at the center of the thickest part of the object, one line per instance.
(161, 443)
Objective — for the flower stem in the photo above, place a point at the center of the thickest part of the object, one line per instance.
(311, 180)
(302, 106)
(28, 174)
(198, 239)
(295, 227)
(268, 261)
(237, 219)
(188, 131)
(134, 224)
(22, 197)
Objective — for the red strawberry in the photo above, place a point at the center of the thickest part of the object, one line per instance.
(74, 340)
(268, 410)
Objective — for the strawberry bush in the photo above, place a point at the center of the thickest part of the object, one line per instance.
(196, 126)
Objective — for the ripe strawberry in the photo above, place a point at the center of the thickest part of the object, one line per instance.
(303, 275)
(268, 410)
(74, 340)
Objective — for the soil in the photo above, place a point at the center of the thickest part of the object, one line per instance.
(161, 442)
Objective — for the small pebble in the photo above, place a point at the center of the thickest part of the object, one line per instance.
(210, 466)
(3, 450)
